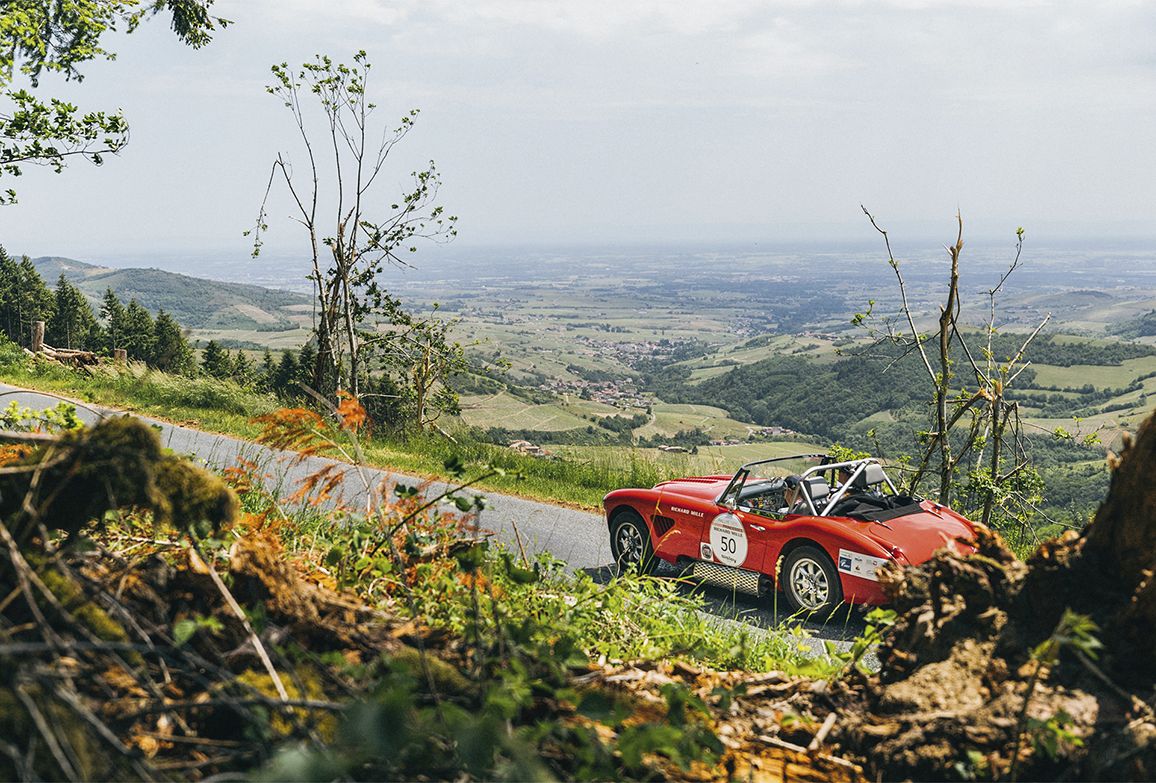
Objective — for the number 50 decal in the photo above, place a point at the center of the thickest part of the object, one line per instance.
(728, 540)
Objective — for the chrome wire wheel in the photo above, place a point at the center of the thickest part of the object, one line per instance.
(809, 583)
(629, 545)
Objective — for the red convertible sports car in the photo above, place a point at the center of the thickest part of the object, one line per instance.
(817, 529)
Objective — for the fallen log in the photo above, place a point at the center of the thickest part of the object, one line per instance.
(68, 355)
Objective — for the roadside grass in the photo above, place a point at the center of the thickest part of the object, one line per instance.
(225, 408)
(203, 403)
(625, 617)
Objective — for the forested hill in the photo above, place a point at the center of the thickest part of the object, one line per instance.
(834, 400)
(193, 301)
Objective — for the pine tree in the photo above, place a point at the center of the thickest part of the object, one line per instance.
(305, 363)
(72, 318)
(171, 351)
(268, 371)
(242, 368)
(215, 361)
(113, 313)
(34, 302)
(137, 333)
(9, 294)
(285, 379)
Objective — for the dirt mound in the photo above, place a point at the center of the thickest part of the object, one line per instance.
(996, 669)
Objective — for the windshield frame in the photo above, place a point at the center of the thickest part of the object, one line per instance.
(856, 467)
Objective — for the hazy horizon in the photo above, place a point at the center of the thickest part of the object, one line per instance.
(470, 262)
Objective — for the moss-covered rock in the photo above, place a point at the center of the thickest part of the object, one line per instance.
(119, 463)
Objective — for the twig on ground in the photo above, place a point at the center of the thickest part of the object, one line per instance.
(262, 653)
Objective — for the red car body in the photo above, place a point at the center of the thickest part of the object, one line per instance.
(714, 523)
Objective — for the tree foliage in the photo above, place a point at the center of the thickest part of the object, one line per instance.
(24, 298)
(58, 36)
(215, 361)
(73, 324)
(171, 351)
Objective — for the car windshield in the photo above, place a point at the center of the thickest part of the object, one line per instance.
(783, 467)
(759, 486)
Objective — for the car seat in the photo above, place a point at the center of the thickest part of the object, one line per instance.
(871, 476)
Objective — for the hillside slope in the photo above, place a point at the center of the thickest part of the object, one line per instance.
(195, 302)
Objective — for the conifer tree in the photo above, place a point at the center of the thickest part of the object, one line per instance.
(242, 368)
(171, 351)
(33, 300)
(215, 361)
(113, 313)
(9, 292)
(268, 371)
(285, 379)
(138, 332)
(72, 318)
(306, 361)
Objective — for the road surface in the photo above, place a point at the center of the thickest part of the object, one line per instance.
(579, 538)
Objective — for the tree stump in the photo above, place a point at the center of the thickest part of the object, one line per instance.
(120, 355)
(37, 336)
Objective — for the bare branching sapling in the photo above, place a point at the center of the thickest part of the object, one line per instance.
(976, 424)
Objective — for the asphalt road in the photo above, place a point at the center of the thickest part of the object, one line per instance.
(578, 538)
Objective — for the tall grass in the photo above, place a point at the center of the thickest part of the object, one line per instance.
(225, 407)
(220, 406)
(581, 481)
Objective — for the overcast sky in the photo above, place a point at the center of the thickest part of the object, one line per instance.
(610, 121)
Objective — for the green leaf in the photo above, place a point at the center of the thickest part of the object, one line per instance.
(183, 630)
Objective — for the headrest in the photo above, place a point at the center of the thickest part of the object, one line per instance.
(874, 474)
(818, 488)
(871, 475)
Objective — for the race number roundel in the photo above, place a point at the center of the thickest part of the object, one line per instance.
(728, 540)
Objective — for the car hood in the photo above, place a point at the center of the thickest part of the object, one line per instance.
(704, 487)
(919, 534)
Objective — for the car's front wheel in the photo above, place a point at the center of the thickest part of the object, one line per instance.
(810, 582)
(630, 543)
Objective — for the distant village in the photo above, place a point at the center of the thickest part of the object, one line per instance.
(621, 393)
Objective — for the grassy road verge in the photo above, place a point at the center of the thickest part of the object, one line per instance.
(226, 408)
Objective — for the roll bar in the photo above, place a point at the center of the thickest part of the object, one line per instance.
(855, 467)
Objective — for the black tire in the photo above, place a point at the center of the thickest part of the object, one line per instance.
(810, 582)
(630, 543)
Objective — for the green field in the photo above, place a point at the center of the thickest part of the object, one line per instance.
(1101, 377)
(513, 413)
(709, 461)
(672, 419)
(569, 412)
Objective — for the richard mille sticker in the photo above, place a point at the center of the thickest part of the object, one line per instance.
(858, 564)
(728, 540)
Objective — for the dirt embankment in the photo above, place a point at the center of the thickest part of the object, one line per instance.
(1038, 670)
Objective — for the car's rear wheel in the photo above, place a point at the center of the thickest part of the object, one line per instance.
(810, 583)
(630, 543)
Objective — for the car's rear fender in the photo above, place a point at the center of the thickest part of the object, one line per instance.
(856, 589)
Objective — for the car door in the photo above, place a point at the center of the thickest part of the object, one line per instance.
(736, 538)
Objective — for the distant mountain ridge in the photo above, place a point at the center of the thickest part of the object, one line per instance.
(195, 302)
